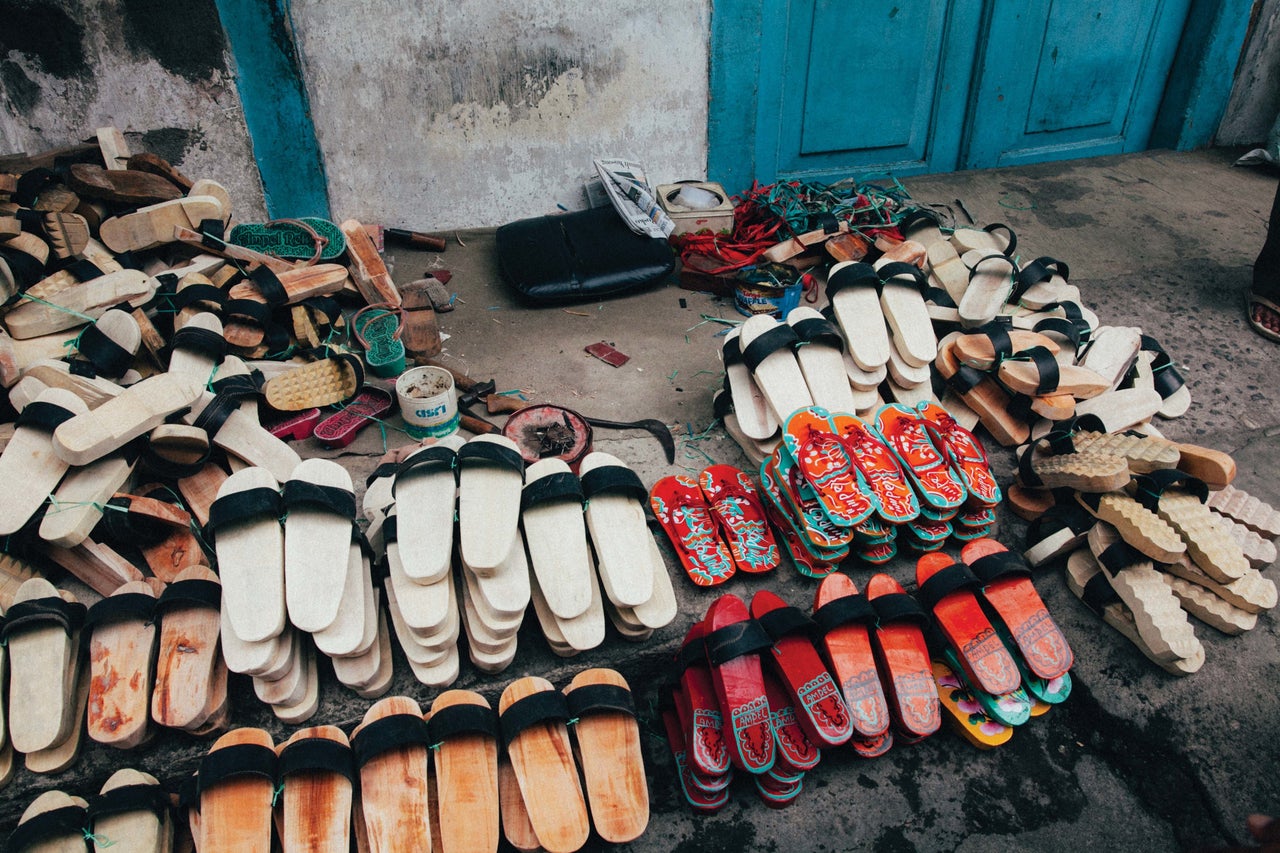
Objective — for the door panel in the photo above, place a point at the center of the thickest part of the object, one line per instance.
(858, 87)
(1084, 79)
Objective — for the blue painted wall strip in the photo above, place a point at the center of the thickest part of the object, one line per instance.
(1203, 73)
(276, 108)
(731, 114)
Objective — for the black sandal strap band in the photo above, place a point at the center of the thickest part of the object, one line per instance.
(614, 480)
(734, 641)
(1001, 564)
(953, 578)
(846, 610)
(130, 798)
(467, 719)
(192, 592)
(248, 505)
(600, 698)
(816, 330)
(46, 826)
(897, 607)
(563, 485)
(122, 607)
(779, 337)
(785, 621)
(300, 493)
(41, 612)
(314, 754)
(1151, 486)
(486, 452)
(42, 415)
(242, 759)
(389, 733)
(543, 706)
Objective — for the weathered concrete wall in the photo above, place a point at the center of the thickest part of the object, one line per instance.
(157, 70)
(437, 115)
(1255, 97)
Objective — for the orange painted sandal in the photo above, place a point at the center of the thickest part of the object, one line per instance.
(948, 590)
(939, 488)
(880, 467)
(1007, 587)
(903, 659)
(963, 451)
(828, 466)
(843, 617)
(683, 513)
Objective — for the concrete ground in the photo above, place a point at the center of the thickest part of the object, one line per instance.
(1136, 759)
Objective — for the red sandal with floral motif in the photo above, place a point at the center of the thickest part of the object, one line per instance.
(928, 470)
(682, 511)
(828, 466)
(734, 642)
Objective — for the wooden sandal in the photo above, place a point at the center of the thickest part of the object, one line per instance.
(490, 478)
(533, 714)
(463, 732)
(819, 703)
(996, 237)
(963, 450)
(320, 505)
(315, 776)
(827, 464)
(1007, 587)
(853, 290)
(754, 414)
(733, 643)
(55, 822)
(980, 393)
(1158, 616)
(902, 658)
(1211, 609)
(122, 647)
(902, 291)
(391, 752)
(27, 458)
(42, 632)
(244, 524)
(991, 279)
(615, 500)
(1093, 587)
(132, 810)
(701, 721)
(698, 798)
(939, 488)
(844, 616)
(820, 353)
(1063, 466)
(767, 350)
(607, 739)
(236, 785)
(1060, 530)
(1252, 593)
(424, 487)
(1208, 545)
(1137, 525)
(153, 225)
(551, 513)
(947, 589)
(189, 672)
(134, 412)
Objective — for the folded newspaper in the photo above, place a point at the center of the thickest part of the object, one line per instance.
(629, 192)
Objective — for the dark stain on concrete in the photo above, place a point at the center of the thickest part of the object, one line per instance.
(23, 92)
(172, 143)
(894, 840)
(517, 76)
(46, 34)
(186, 38)
(721, 836)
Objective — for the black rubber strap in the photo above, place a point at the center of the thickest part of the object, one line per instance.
(212, 232)
(1120, 555)
(785, 621)
(122, 607)
(600, 698)
(846, 610)
(1166, 378)
(897, 607)
(854, 275)
(734, 641)
(1041, 269)
(1013, 238)
(193, 592)
(121, 525)
(300, 493)
(40, 613)
(998, 334)
(434, 457)
(732, 352)
(561, 486)
(130, 798)
(486, 452)
(897, 269)
(316, 754)
(1152, 485)
(1047, 370)
(269, 285)
(386, 469)
(189, 792)
(242, 759)
(543, 706)
(965, 379)
(692, 653)
(457, 720)
(258, 313)
(248, 505)
(953, 578)
(779, 337)
(387, 734)
(241, 386)
(107, 357)
(1068, 329)
(214, 415)
(47, 826)
(614, 480)
(917, 217)
(817, 330)
(1067, 516)
(174, 300)
(42, 415)
(1002, 564)
(206, 342)
(33, 182)
(1098, 593)
(1059, 441)
(83, 270)
(390, 530)
(722, 403)
(170, 469)
(26, 269)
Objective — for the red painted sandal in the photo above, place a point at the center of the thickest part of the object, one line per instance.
(795, 753)
(927, 469)
(827, 466)
(1008, 589)
(699, 800)
(948, 590)
(700, 716)
(734, 642)
(735, 504)
(683, 513)
(903, 658)
(342, 427)
(820, 707)
(843, 617)
(880, 468)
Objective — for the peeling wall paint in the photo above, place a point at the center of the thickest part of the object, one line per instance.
(1255, 98)
(156, 69)
(478, 112)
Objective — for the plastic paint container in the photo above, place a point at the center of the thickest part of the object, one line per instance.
(428, 402)
(752, 298)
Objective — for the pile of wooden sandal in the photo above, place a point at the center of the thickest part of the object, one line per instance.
(522, 537)
(1154, 532)
(835, 484)
(459, 778)
(765, 689)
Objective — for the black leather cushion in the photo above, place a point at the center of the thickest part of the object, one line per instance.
(576, 257)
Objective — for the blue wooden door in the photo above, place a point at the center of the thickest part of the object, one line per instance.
(828, 89)
(1070, 78)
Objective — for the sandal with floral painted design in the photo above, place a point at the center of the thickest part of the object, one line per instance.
(964, 713)
(828, 466)
(734, 642)
(963, 450)
(896, 500)
(682, 511)
(735, 504)
(928, 470)
(701, 720)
